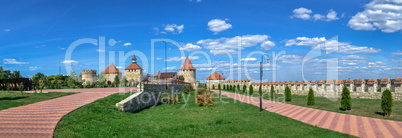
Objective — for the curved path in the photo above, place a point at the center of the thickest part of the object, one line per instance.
(350, 124)
(40, 119)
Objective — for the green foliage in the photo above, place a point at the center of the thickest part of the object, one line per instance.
(310, 97)
(272, 92)
(224, 87)
(387, 102)
(188, 89)
(233, 88)
(288, 94)
(250, 90)
(116, 81)
(8, 87)
(238, 87)
(21, 87)
(219, 86)
(260, 90)
(244, 89)
(213, 87)
(346, 100)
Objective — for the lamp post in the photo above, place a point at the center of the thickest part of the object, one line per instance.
(165, 64)
(261, 73)
(220, 93)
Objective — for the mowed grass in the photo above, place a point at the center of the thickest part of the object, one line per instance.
(234, 119)
(14, 99)
(360, 107)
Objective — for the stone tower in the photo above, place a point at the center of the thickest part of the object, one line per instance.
(110, 73)
(133, 72)
(88, 76)
(188, 71)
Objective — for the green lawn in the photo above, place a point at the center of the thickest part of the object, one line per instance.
(14, 99)
(235, 119)
(361, 107)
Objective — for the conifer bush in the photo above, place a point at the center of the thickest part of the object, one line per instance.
(272, 92)
(213, 87)
(219, 86)
(238, 87)
(288, 94)
(386, 102)
(244, 89)
(250, 90)
(310, 97)
(346, 100)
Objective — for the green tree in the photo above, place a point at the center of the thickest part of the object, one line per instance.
(213, 87)
(260, 90)
(244, 89)
(16, 74)
(238, 87)
(288, 94)
(219, 86)
(310, 97)
(37, 77)
(346, 100)
(272, 92)
(250, 90)
(8, 87)
(387, 102)
(116, 80)
(21, 87)
(224, 87)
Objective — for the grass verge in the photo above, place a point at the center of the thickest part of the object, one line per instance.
(234, 119)
(360, 107)
(14, 99)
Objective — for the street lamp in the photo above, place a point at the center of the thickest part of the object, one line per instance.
(220, 87)
(165, 64)
(261, 73)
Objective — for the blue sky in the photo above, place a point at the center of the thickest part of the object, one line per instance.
(354, 39)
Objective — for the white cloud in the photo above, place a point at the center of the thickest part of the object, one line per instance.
(398, 53)
(232, 45)
(353, 57)
(13, 61)
(179, 59)
(7, 30)
(218, 25)
(248, 59)
(69, 62)
(302, 13)
(195, 0)
(40, 46)
(174, 29)
(158, 58)
(127, 44)
(291, 59)
(190, 47)
(307, 14)
(331, 45)
(100, 50)
(119, 67)
(95, 44)
(34, 68)
(172, 68)
(384, 15)
(267, 45)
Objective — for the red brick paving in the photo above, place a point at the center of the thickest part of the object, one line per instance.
(344, 123)
(40, 119)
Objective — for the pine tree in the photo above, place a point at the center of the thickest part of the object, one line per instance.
(250, 90)
(244, 89)
(386, 102)
(260, 90)
(213, 87)
(346, 100)
(224, 87)
(219, 86)
(272, 92)
(238, 87)
(288, 94)
(310, 97)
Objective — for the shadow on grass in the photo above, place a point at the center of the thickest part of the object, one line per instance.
(380, 113)
(14, 98)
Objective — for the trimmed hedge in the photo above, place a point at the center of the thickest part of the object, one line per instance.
(310, 97)
(346, 100)
(387, 102)
(288, 94)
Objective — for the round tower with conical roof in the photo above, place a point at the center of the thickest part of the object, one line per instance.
(188, 71)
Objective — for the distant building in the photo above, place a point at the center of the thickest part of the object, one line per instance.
(110, 73)
(133, 72)
(188, 71)
(88, 76)
(214, 79)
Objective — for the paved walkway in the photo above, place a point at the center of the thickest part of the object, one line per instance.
(40, 119)
(350, 124)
